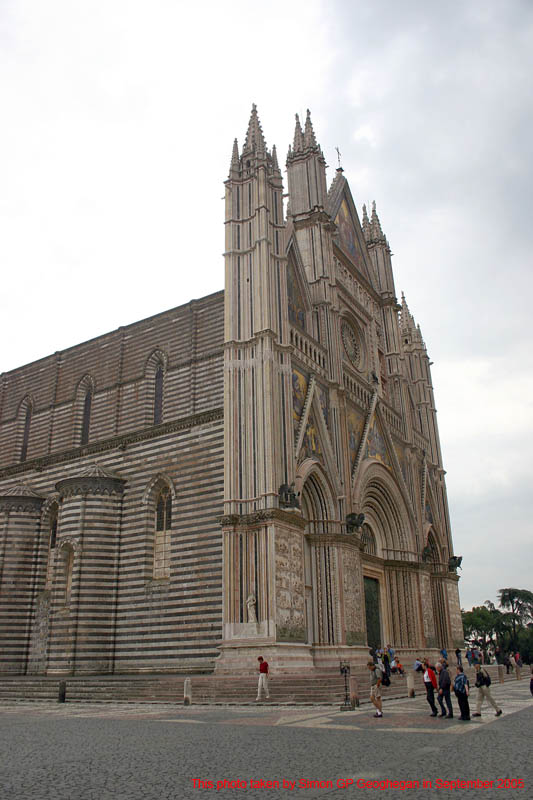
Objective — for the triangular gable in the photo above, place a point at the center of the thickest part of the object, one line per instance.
(396, 465)
(314, 440)
(350, 239)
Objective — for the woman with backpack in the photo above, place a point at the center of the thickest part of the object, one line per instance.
(461, 689)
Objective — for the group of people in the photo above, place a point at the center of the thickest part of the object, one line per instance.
(439, 685)
(438, 680)
(387, 660)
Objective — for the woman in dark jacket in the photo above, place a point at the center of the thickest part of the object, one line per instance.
(443, 696)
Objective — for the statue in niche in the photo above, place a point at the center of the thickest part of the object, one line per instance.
(250, 605)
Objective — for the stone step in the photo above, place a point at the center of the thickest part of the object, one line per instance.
(314, 688)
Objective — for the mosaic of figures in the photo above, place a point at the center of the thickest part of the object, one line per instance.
(300, 385)
(355, 424)
(296, 303)
(347, 236)
(375, 445)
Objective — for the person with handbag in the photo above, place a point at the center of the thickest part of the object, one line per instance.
(483, 682)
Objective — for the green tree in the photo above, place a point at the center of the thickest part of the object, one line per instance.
(519, 602)
(479, 625)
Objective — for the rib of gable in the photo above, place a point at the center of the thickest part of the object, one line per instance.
(397, 470)
(312, 402)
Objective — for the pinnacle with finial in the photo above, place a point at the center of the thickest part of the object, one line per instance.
(254, 135)
(309, 135)
(377, 233)
(407, 319)
(275, 157)
(298, 136)
(366, 225)
(234, 156)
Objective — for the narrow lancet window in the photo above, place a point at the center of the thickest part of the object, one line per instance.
(86, 416)
(163, 524)
(26, 435)
(158, 400)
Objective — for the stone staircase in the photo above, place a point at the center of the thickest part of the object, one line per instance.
(317, 688)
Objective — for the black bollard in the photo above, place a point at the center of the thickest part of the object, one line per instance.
(62, 692)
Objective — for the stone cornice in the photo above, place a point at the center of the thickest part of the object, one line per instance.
(267, 515)
(115, 442)
(90, 484)
(327, 539)
(19, 502)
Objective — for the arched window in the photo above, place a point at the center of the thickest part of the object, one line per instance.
(158, 396)
(163, 525)
(86, 421)
(26, 434)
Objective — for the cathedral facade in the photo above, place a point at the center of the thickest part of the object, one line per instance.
(256, 472)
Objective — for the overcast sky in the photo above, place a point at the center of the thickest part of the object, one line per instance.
(118, 118)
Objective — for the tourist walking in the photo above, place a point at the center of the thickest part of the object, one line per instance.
(483, 682)
(469, 657)
(430, 682)
(262, 684)
(375, 688)
(461, 689)
(458, 657)
(443, 696)
(518, 666)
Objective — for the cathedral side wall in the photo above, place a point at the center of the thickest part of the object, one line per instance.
(167, 623)
(187, 339)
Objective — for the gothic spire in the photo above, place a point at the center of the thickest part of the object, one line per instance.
(309, 135)
(375, 224)
(275, 157)
(255, 141)
(298, 136)
(367, 233)
(407, 319)
(234, 164)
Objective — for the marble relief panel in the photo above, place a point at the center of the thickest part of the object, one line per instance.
(427, 607)
(290, 603)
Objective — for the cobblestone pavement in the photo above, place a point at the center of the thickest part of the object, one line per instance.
(134, 751)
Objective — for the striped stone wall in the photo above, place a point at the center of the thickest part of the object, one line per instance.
(119, 365)
(114, 615)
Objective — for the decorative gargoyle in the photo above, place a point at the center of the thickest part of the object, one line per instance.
(454, 563)
(288, 498)
(354, 522)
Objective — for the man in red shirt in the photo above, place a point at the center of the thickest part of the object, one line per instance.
(263, 678)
